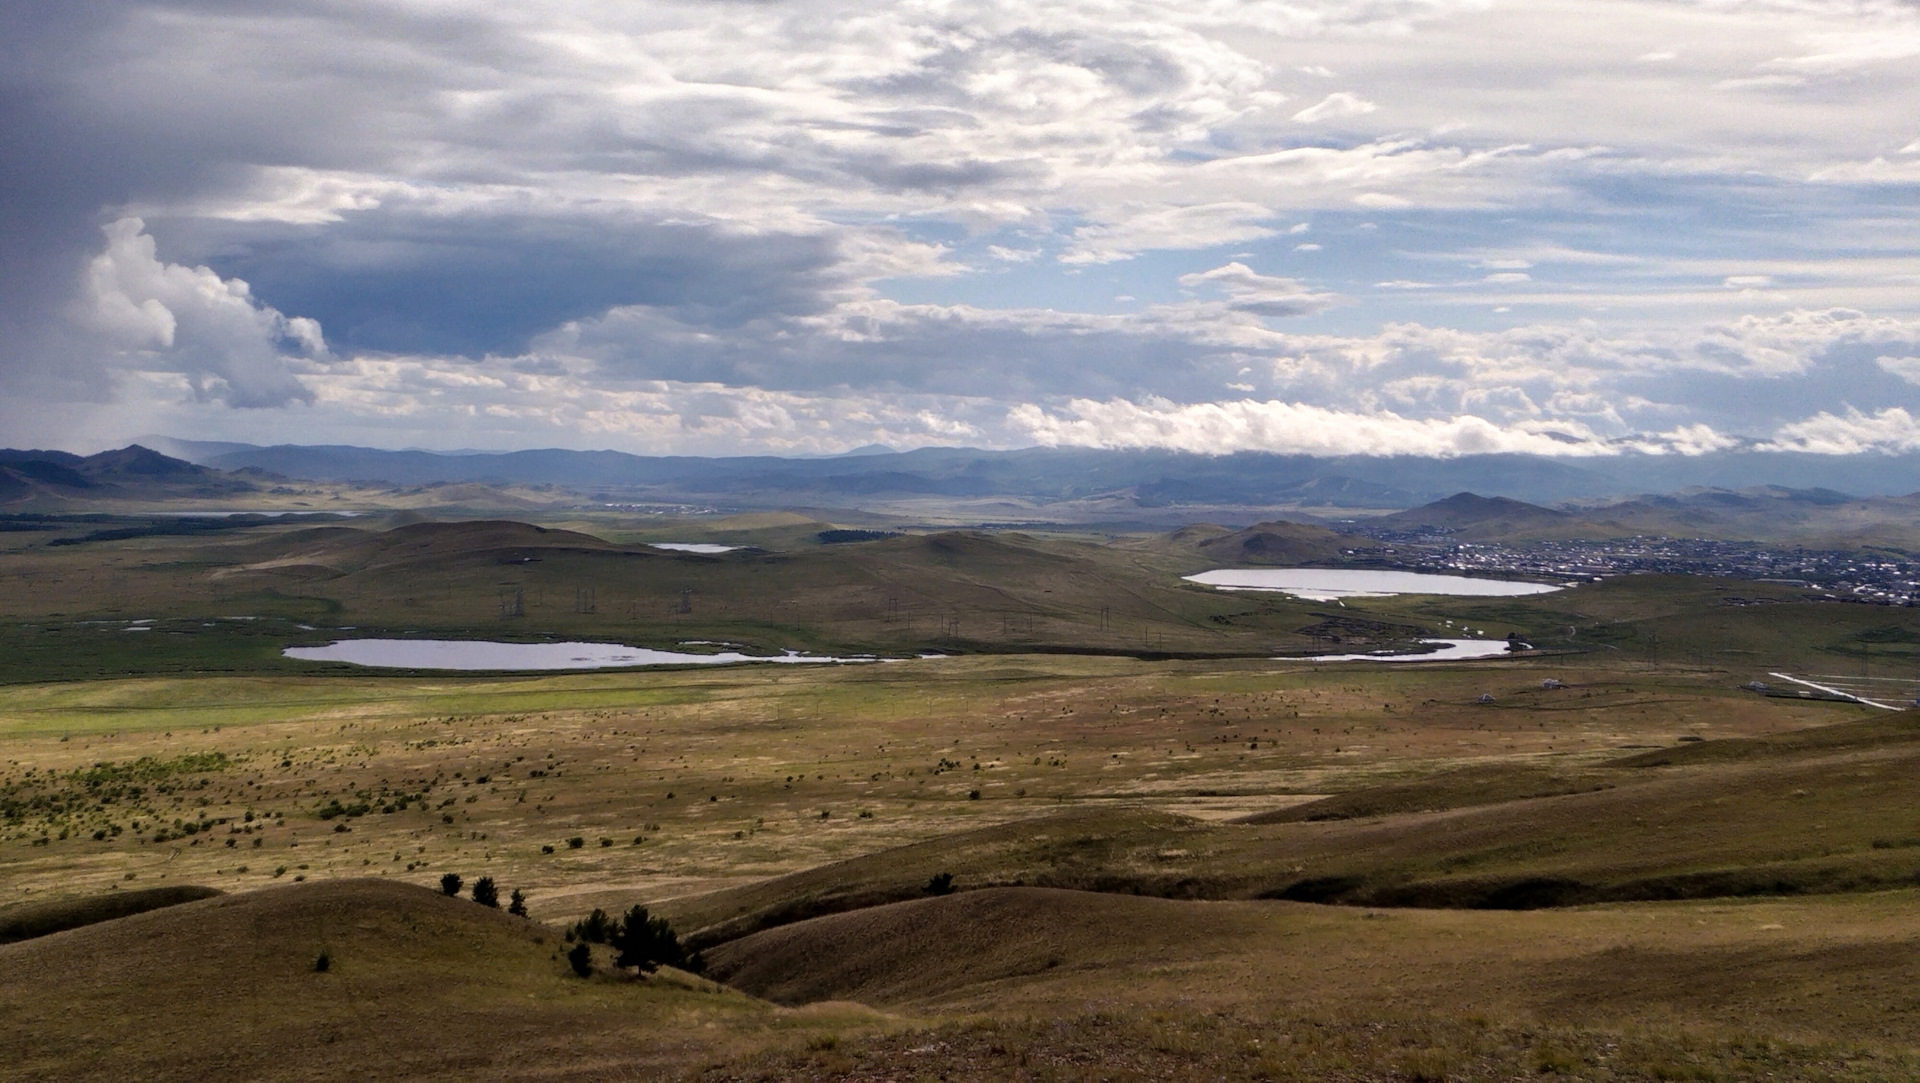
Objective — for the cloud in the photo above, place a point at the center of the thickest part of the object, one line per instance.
(1907, 368)
(1262, 295)
(827, 215)
(164, 317)
(1336, 106)
(1890, 431)
(1219, 428)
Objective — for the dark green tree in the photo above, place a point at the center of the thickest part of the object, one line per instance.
(595, 928)
(581, 959)
(517, 905)
(450, 884)
(485, 893)
(646, 942)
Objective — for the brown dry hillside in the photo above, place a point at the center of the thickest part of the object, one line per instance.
(1810, 815)
(1795, 970)
(419, 986)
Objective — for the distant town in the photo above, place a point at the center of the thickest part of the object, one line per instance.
(1831, 574)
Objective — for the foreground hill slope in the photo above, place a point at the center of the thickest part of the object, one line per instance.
(1813, 813)
(1713, 968)
(419, 986)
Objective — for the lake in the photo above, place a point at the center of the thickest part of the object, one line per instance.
(485, 655)
(693, 547)
(1450, 650)
(1331, 584)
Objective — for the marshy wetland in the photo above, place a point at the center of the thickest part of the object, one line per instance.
(1108, 834)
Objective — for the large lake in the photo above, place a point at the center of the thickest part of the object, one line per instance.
(484, 655)
(1330, 584)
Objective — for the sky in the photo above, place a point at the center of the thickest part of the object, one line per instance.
(1398, 227)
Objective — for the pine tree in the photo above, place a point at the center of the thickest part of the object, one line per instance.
(646, 942)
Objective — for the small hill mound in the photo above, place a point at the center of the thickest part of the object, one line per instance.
(31, 920)
(346, 549)
(418, 985)
(931, 948)
(1276, 543)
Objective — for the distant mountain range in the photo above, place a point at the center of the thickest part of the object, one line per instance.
(1143, 479)
(1323, 502)
(52, 479)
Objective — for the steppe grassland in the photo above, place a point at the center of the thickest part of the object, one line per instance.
(733, 775)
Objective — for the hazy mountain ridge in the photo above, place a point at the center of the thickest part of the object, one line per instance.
(57, 478)
(1151, 478)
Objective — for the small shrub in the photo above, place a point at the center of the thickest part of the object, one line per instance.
(576, 842)
(940, 884)
(517, 905)
(581, 959)
(485, 893)
(450, 884)
(973, 795)
(323, 962)
(546, 849)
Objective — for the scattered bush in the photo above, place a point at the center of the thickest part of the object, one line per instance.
(576, 842)
(450, 884)
(546, 849)
(940, 884)
(517, 905)
(581, 959)
(323, 962)
(485, 893)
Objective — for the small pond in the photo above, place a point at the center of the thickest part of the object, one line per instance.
(1448, 650)
(693, 547)
(1331, 584)
(484, 655)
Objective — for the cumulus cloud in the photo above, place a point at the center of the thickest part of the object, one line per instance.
(188, 320)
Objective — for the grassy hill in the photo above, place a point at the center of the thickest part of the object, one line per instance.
(1277, 543)
(418, 986)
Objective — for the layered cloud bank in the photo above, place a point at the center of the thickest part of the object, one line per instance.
(1425, 227)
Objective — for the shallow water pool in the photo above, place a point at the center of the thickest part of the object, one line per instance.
(1331, 584)
(476, 654)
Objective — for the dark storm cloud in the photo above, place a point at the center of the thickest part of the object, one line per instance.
(473, 284)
